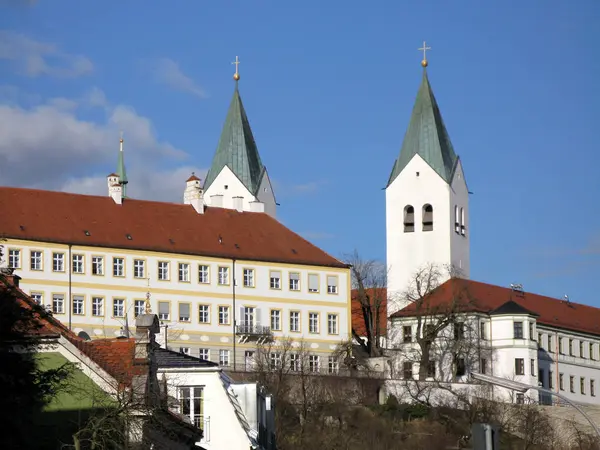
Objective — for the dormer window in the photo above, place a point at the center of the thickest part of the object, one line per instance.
(427, 217)
(409, 219)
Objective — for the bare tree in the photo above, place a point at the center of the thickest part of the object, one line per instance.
(369, 282)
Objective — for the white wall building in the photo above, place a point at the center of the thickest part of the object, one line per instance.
(215, 272)
(519, 335)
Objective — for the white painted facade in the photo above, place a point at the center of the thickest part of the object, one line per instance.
(227, 191)
(329, 305)
(232, 413)
(515, 348)
(411, 248)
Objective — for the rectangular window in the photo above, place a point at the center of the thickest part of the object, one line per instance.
(275, 361)
(540, 340)
(204, 313)
(36, 260)
(184, 350)
(591, 350)
(191, 404)
(459, 330)
(163, 270)
(248, 277)
(313, 282)
(37, 297)
(275, 279)
(407, 370)
(483, 366)
(223, 275)
(97, 306)
(139, 307)
(223, 315)
(294, 362)
(533, 367)
(550, 343)
(581, 350)
(407, 333)
(582, 385)
(531, 333)
(518, 330)
(332, 284)
(184, 312)
(275, 320)
(223, 357)
(431, 369)
(14, 258)
(561, 381)
(294, 281)
(118, 267)
(97, 265)
(58, 262)
(520, 399)
(58, 303)
(313, 322)
(295, 321)
(118, 307)
(164, 312)
(313, 363)
(572, 383)
(249, 361)
(204, 353)
(519, 366)
(77, 304)
(461, 367)
(333, 366)
(184, 272)
(550, 379)
(560, 346)
(139, 268)
(332, 323)
(248, 315)
(593, 388)
(482, 333)
(77, 263)
(571, 353)
(203, 274)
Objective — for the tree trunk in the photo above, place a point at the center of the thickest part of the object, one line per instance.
(425, 347)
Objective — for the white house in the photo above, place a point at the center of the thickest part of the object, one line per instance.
(232, 415)
(513, 334)
(213, 270)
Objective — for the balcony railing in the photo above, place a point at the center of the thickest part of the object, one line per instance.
(247, 331)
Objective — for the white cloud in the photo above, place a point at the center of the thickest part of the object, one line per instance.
(50, 146)
(168, 72)
(35, 58)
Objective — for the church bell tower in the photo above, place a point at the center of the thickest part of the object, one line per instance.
(427, 201)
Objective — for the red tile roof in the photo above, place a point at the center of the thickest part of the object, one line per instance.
(358, 321)
(115, 356)
(482, 297)
(61, 217)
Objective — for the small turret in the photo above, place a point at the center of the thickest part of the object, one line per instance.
(194, 194)
(115, 189)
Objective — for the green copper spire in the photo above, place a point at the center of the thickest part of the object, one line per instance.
(237, 149)
(121, 168)
(426, 136)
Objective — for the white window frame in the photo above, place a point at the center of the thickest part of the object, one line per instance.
(58, 262)
(195, 392)
(118, 266)
(275, 279)
(78, 304)
(77, 263)
(276, 320)
(313, 278)
(36, 260)
(139, 307)
(313, 363)
(163, 270)
(139, 268)
(164, 316)
(313, 322)
(58, 303)
(184, 272)
(332, 287)
(183, 317)
(203, 274)
(223, 276)
(295, 321)
(97, 265)
(248, 278)
(202, 352)
(332, 323)
(224, 358)
(118, 307)
(97, 306)
(14, 258)
(37, 297)
(294, 283)
(224, 315)
(203, 312)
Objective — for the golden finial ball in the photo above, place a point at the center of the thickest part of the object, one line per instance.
(236, 77)
(424, 63)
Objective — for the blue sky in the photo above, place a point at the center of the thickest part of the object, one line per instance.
(328, 87)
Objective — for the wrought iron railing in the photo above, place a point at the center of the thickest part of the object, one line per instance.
(252, 329)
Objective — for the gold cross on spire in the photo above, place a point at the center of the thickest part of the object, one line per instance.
(424, 49)
(236, 76)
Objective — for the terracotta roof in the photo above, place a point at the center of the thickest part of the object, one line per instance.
(482, 297)
(358, 321)
(193, 178)
(61, 217)
(115, 356)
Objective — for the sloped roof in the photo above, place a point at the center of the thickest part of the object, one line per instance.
(237, 149)
(170, 358)
(61, 217)
(474, 296)
(358, 321)
(427, 136)
(511, 307)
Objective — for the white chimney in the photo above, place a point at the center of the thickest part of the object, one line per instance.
(115, 189)
(193, 194)
(238, 204)
(216, 200)
(257, 207)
